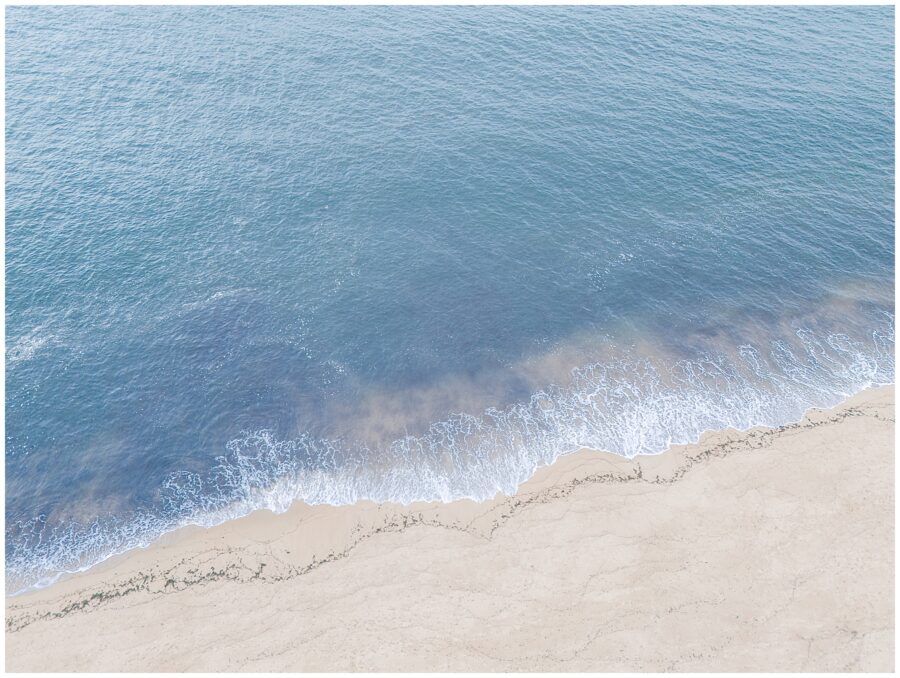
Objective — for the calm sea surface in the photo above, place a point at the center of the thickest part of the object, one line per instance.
(264, 255)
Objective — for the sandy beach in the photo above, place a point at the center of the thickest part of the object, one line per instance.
(762, 550)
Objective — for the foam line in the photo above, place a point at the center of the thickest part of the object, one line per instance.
(630, 407)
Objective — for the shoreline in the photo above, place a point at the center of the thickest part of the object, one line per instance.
(224, 570)
(191, 528)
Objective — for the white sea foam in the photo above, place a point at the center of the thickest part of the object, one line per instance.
(25, 347)
(629, 407)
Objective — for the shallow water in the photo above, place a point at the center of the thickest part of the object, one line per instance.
(269, 254)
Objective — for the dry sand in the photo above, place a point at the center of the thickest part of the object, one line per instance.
(763, 550)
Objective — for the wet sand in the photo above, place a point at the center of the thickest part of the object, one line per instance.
(762, 550)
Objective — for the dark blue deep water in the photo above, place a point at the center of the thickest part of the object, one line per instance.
(264, 255)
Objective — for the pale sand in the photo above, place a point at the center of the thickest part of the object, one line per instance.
(766, 550)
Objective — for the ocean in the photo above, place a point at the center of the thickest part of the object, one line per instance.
(266, 255)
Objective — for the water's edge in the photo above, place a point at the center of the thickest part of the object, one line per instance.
(65, 575)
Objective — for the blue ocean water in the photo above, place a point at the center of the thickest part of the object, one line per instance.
(273, 254)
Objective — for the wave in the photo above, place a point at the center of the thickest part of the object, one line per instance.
(630, 406)
(25, 347)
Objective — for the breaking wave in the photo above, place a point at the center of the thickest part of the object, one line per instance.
(633, 406)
